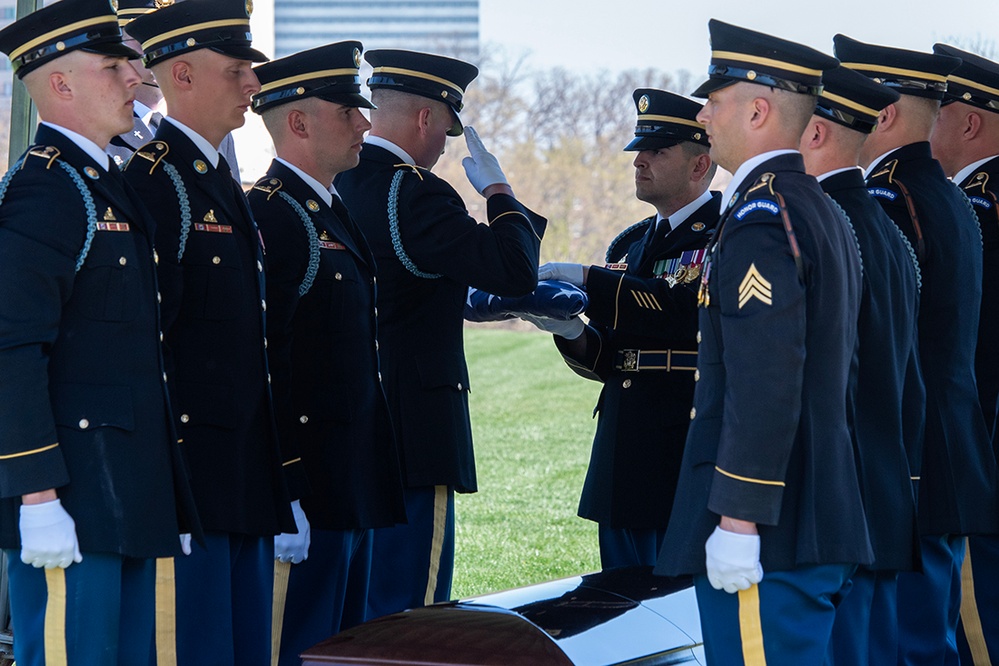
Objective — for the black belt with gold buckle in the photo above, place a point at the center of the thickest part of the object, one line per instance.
(635, 360)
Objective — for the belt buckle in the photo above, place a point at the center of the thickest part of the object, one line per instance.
(630, 361)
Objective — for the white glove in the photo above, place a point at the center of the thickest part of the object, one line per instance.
(294, 548)
(481, 167)
(733, 560)
(570, 329)
(185, 544)
(556, 270)
(48, 536)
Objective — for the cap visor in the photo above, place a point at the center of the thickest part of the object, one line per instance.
(640, 143)
(457, 129)
(710, 86)
(240, 52)
(348, 99)
(114, 49)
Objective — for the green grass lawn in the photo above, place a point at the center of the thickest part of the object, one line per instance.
(532, 429)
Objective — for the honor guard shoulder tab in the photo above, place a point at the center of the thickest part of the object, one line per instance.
(152, 154)
(618, 247)
(269, 186)
(46, 153)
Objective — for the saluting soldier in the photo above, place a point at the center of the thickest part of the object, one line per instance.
(957, 475)
(965, 140)
(429, 251)
(887, 399)
(768, 515)
(641, 338)
(323, 344)
(92, 480)
(211, 269)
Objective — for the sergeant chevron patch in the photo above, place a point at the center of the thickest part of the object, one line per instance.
(755, 286)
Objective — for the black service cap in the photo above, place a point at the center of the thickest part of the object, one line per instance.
(975, 82)
(665, 119)
(328, 72)
(909, 72)
(851, 99)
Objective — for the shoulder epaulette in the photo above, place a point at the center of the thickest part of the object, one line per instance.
(416, 169)
(269, 186)
(154, 152)
(47, 153)
(626, 238)
(887, 170)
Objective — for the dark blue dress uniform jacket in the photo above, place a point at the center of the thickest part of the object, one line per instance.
(644, 415)
(211, 276)
(324, 359)
(884, 393)
(424, 271)
(85, 408)
(982, 187)
(769, 442)
(958, 475)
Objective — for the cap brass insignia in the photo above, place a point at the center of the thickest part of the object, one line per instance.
(312, 205)
(114, 5)
(697, 226)
(754, 285)
(109, 215)
(751, 75)
(357, 57)
(249, 7)
(643, 104)
(160, 4)
(91, 173)
(210, 217)
(200, 167)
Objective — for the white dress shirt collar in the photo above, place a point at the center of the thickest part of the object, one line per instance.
(210, 152)
(95, 152)
(744, 170)
(391, 147)
(321, 191)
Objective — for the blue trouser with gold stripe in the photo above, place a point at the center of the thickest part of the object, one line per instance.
(626, 547)
(223, 602)
(785, 620)
(316, 598)
(978, 632)
(412, 564)
(866, 627)
(98, 612)
(929, 604)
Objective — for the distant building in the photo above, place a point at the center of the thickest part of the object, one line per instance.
(447, 27)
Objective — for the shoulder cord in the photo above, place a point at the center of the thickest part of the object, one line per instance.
(310, 231)
(393, 216)
(620, 236)
(185, 207)
(853, 231)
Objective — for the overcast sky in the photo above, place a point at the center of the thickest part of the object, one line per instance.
(589, 35)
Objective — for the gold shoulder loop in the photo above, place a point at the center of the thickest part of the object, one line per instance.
(48, 153)
(888, 170)
(269, 186)
(154, 151)
(978, 181)
(416, 169)
(766, 180)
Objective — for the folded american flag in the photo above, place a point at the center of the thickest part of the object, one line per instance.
(553, 299)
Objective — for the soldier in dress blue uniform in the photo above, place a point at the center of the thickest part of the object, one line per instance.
(887, 398)
(965, 140)
(768, 503)
(641, 339)
(214, 304)
(956, 473)
(323, 344)
(92, 480)
(429, 251)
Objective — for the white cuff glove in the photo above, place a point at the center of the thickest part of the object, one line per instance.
(185, 544)
(555, 270)
(481, 167)
(48, 536)
(570, 329)
(294, 548)
(733, 560)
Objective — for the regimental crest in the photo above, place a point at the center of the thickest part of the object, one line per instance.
(109, 215)
(210, 217)
(754, 285)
